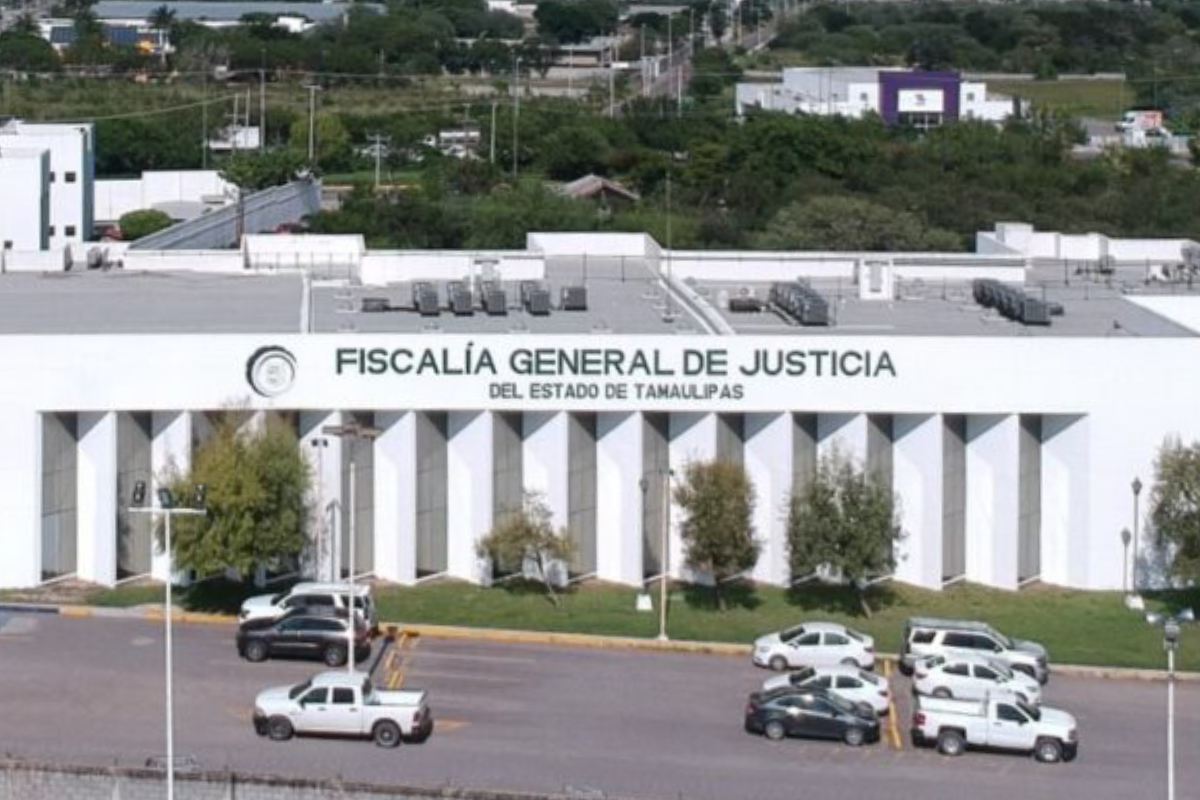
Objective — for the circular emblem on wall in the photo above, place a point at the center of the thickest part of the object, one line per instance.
(271, 371)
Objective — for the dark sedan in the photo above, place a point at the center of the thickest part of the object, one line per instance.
(302, 635)
(811, 713)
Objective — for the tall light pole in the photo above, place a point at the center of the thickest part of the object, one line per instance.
(516, 111)
(1172, 628)
(1136, 486)
(353, 431)
(262, 100)
(312, 123)
(320, 444)
(166, 508)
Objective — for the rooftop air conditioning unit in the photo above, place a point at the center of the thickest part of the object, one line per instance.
(535, 298)
(574, 298)
(425, 299)
(495, 299)
(460, 300)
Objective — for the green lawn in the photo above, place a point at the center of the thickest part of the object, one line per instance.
(1099, 99)
(1078, 627)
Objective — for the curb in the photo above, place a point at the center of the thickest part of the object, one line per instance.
(580, 640)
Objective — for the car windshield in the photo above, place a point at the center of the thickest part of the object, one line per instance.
(870, 677)
(277, 598)
(841, 704)
(1004, 641)
(1030, 711)
(803, 675)
(853, 634)
(1001, 669)
(299, 689)
(791, 633)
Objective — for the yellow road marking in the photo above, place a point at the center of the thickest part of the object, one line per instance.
(401, 652)
(447, 725)
(893, 725)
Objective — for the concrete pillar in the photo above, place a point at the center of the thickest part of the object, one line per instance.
(768, 459)
(845, 433)
(1066, 463)
(917, 480)
(324, 454)
(97, 482)
(619, 494)
(170, 455)
(396, 497)
(992, 499)
(546, 460)
(693, 438)
(469, 486)
(20, 498)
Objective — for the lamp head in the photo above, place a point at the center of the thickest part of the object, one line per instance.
(1136, 486)
(1187, 615)
(199, 495)
(1126, 536)
(139, 493)
(164, 498)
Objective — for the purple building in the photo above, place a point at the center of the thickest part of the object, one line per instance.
(919, 99)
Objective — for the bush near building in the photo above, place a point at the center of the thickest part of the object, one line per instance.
(135, 225)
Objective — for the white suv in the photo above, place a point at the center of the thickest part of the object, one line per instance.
(925, 637)
(971, 677)
(815, 644)
(315, 597)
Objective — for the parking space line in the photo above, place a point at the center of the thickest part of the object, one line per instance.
(893, 726)
(401, 653)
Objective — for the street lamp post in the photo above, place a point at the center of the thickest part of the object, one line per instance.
(166, 508)
(1136, 486)
(352, 431)
(1126, 536)
(1172, 628)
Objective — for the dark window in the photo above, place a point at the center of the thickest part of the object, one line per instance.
(985, 643)
(51, 230)
(327, 625)
(836, 640)
(821, 706)
(956, 669)
(959, 640)
(52, 177)
(316, 696)
(923, 637)
(846, 682)
(8, 245)
(343, 697)
(986, 673)
(1010, 714)
(823, 682)
(70, 177)
(70, 230)
(809, 640)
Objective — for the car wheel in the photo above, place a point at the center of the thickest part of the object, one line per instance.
(386, 733)
(943, 693)
(778, 663)
(854, 737)
(849, 662)
(951, 743)
(905, 669)
(335, 656)
(256, 651)
(774, 730)
(1048, 751)
(280, 729)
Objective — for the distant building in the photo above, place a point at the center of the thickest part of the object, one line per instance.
(181, 195)
(47, 172)
(456, 142)
(900, 97)
(135, 33)
(235, 137)
(602, 191)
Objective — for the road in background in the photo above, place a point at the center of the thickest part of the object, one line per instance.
(530, 717)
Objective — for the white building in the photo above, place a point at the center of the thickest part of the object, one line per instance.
(1011, 446)
(906, 97)
(181, 194)
(67, 181)
(24, 174)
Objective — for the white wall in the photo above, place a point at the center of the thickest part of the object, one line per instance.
(113, 198)
(381, 267)
(24, 199)
(71, 156)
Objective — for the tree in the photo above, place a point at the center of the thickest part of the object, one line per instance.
(258, 483)
(136, 224)
(162, 19)
(1175, 504)
(573, 151)
(844, 523)
(528, 536)
(27, 52)
(254, 170)
(718, 20)
(333, 140)
(717, 499)
(851, 223)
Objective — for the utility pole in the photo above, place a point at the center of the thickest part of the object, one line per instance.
(612, 83)
(516, 113)
(492, 150)
(204, 124)
(312, 123)
(570, 72)
(377, 144)
(262, 100)
(642, 61)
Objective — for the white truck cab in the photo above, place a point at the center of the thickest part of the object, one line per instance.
(995, 723)
(343, 704)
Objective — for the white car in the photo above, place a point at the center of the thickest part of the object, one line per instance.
(970, 677)
(815, 644)
(856, 685)
(315, 597)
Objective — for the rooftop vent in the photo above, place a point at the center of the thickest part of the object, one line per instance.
(801, 302)
(1013, 303)
(494, 298)
(574, 298)
(425, 299)
(375, 305)
(459, 299)
(535, 298)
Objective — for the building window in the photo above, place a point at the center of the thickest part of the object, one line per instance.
(970, 97)
(51, 230)
(8, 245)
(70, 177)
(52, 177)
(863, 97)
(69, 231)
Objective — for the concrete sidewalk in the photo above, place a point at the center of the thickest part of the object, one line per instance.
(154, 613)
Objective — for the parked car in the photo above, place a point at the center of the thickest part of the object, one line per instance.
(302, 634)
(815, 644)
(854, 684)
(811, 713)
(972, 677)
(998, 724)
(314, 597)
(343, 704)
(925, 637)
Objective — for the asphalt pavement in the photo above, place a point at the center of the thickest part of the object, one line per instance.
(604, 723)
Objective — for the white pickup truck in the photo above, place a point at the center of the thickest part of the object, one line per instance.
(343, 704)
(998, 723)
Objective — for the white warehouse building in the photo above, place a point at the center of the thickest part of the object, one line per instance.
(1011, 439)
(53, 163)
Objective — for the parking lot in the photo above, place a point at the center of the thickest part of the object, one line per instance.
(530, 717)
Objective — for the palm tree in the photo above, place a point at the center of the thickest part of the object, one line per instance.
(162, 19)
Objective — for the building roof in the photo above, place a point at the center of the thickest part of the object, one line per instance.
(224, 11)
(590, 186)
